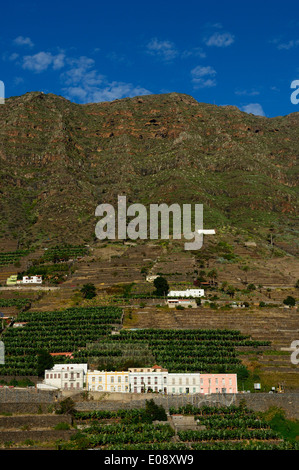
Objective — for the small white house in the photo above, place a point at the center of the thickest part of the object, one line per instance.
(144, 379)
(151, 277)
(32, 280)
(65, 377)
(187, 293)
(178, 383)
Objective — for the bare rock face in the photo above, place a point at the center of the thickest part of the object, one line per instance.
(59, 160)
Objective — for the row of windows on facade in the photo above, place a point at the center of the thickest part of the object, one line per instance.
(66, 375)
(171, 390)
(174, 381)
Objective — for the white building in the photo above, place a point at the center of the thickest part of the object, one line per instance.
(178, 383)
(148, 379)
(187, 293)
(137, 380)
(65, 377)
(32, 280)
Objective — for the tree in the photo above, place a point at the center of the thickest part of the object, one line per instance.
(213, 275)
(44, 361)
(290, 301)
(161, 285)
(89, 291)
(231, 291)
(154, 411)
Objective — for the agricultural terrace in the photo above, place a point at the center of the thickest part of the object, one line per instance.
(86, 333)
(226, 428)
(64, 253)
(12, 257)
(59, 331)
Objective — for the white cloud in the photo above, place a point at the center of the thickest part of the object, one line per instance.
(220, 40)
(203, 76)
(253, 108)
(83, 83)
(166, 50)
(247, 92)
(21, 41)
(108, 92)
(289, 45)
(42, 60)
(194, 52)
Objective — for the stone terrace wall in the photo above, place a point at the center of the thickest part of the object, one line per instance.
(36, 401)
(255, 401)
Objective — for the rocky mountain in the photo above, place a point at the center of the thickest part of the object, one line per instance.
(59, 160)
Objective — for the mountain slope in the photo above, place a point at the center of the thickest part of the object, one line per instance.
(59, 160)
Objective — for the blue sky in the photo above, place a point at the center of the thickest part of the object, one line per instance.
(221, 52)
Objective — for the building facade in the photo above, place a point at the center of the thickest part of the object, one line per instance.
(218, 383)
(152, 379)
(186, 293)
(66, 376)
(138, 380)
(103, 381)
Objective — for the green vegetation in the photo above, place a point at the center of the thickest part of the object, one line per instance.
(58, 331)
(161, 286)
(290, 301)
(219, 428)
(64, 253)
(12, 257)
(89, 291)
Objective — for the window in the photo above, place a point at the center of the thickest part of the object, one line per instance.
(156, 380)
(193, 380)
(173, 389)
(187, 381)
(100, 379)
(173, 381)
(216, 381)
(194, 389)
(112, 380)
(126, 378)
(230, 381)
(149, 380)
(119, 380)
(65, 376)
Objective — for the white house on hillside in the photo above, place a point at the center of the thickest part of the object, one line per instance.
(186, 293)
(65, 377)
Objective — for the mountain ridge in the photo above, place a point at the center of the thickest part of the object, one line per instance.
(59, 160)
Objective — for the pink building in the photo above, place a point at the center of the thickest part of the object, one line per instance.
(218, 383)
